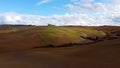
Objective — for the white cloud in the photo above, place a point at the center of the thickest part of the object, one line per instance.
(14, 18)
(106, 12)
(116, 1)
(82, 1)
(87, 6)
(67, 19)
(85, 12)
(43, 2)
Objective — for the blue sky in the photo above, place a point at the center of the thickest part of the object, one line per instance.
(31, 7)
(60, 12)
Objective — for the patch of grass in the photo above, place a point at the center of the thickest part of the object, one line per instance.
(62, 35)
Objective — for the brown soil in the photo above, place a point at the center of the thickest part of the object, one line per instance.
(16, 51)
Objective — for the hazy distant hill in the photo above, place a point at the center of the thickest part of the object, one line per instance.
(10, 25)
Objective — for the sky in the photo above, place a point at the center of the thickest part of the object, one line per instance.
(60, 12)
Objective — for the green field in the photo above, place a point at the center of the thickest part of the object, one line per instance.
(57, 36)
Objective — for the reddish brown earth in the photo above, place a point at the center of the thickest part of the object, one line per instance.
(23, 39)
(16, 51)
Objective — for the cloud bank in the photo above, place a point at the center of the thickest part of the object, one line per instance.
(106, 12)
(85, 12)
(67, 19)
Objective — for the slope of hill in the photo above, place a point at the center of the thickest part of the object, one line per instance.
(25, 47)
(26, 37)
(58, 36)
(104, 54)
(19, 38)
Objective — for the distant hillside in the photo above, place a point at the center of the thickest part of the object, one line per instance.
(3, 26)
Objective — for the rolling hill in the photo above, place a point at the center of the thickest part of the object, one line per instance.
(58, 36)
(60, 47)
